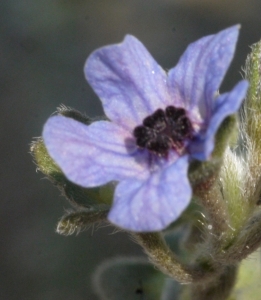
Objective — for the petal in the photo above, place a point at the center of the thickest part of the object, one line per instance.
(129, 82)
(225, 105)
(151, 205)
(201, 70)
(92, 155)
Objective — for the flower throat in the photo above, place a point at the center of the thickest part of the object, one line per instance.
(164, 130)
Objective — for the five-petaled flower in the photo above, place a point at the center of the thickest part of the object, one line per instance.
(158, 123)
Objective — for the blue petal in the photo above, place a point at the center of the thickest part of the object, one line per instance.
(200, 71)
(93, 155)
(153, 204)
(225, 105)
(129, 82)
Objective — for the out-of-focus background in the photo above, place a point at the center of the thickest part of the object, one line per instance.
(43, 46)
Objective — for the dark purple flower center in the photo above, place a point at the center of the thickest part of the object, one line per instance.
(164, 130)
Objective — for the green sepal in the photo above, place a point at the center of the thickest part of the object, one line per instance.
(75, 194)
(69, 112)
(78, 221)
(252, 104)
(201, 171)
(227, 134)
(129, 279)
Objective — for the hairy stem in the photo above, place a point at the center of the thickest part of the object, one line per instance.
(246, 243)
(161, 256)
(219, 289)
(209, 196)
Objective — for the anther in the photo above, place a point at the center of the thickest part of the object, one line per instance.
(164, 130)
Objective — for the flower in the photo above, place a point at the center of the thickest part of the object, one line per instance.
(158, 122)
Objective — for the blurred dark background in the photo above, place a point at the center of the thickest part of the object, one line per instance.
(43, 46)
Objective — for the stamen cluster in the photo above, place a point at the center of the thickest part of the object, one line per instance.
(164, 130)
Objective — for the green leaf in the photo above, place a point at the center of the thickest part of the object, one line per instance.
(129, 279)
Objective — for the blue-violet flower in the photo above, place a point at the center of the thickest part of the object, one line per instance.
(158, 122)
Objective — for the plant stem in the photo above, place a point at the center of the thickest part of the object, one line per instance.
(161, 256)
(219, 289)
